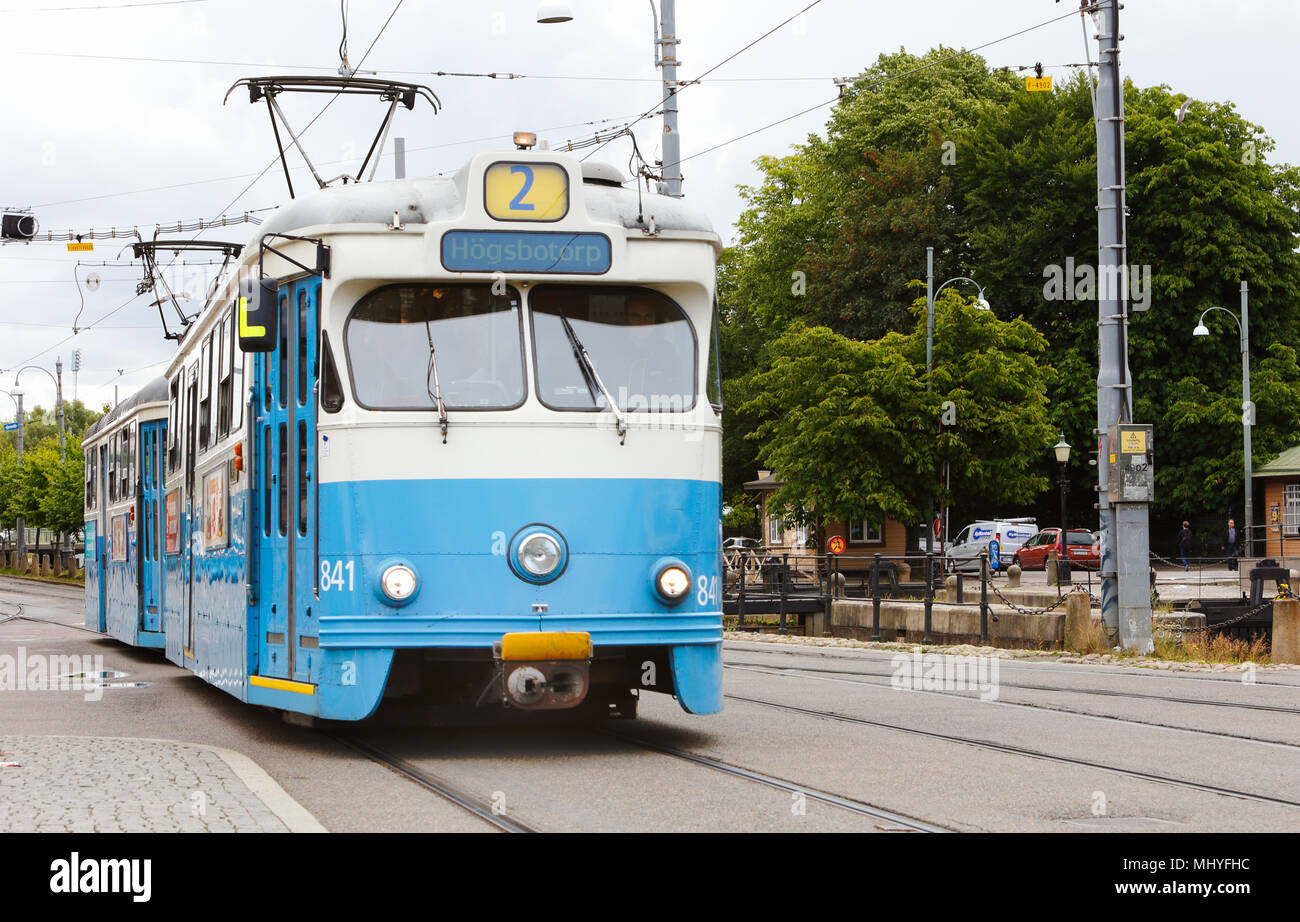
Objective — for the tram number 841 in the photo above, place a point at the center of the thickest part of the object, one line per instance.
(708, 591)
(332, 575)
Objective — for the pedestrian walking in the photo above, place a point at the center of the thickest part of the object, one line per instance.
(1230, 538)
(1185, 544)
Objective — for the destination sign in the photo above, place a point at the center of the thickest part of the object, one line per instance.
(533, 252)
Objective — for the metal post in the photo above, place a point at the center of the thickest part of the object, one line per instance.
(1063, 562)
(1125, 600)
(668, 64)
(21, 540)
(1247, 416)
(785, 579)
(740, 595)
(929, 597)
(929, 368)
(58, 388)
(399, 158)
(984, 596)
(875, 598)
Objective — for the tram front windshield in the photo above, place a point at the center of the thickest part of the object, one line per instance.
(640, 342)
(476, 339)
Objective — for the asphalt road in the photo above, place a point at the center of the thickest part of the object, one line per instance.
(812, 739)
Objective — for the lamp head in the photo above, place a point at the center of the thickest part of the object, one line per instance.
(554, 12)
(1062, 450)
(983, 304)
(1201, 329)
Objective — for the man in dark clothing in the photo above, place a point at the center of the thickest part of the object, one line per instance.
(1185, 544)
(1230, 538)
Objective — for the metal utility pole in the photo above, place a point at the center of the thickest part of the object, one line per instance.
(667, 62)
(58, 389)
(929, 368)
(1247, 416)
(1125, 545)
(20, 542)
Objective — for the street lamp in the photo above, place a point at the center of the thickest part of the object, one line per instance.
(1247, 408)
(1062, 451)
(58, 395)
(931, 293)
(665, 25)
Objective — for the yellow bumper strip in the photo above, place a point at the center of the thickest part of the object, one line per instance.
(301, 688)
(546, 645)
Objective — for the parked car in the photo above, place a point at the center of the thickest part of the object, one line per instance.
(741, 544)
(1084, 549)
(964, 552)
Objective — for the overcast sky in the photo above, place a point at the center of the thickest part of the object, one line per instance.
(91, 139)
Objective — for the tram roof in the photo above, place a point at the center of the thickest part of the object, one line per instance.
(443, 198)
(153, 392)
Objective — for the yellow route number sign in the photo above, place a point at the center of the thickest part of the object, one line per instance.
(80, 247)
(1038, 84)
(526, 191)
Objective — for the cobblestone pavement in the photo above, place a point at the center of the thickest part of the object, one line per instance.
(89, 784)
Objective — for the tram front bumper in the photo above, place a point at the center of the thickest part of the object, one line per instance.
(543, 670)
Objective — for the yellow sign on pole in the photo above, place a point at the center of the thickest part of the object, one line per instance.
(1133, 442)
(80, 247)
(1038, 84)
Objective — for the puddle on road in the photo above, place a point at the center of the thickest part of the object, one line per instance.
(102, 679)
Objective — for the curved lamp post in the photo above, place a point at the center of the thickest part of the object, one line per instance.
(1247, 408)
(930, 294)
(58, 394)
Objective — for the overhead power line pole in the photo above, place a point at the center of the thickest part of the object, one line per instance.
(1123, 479)
(668, 64)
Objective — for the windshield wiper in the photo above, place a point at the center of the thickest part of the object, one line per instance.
(436, 390)
(589, 375)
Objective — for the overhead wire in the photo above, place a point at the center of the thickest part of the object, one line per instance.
(868, 83)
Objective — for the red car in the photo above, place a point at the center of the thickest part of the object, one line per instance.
(1084, 553)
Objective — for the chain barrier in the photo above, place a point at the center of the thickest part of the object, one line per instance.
(1211, 562)
(1032, 611)
(1284, 592)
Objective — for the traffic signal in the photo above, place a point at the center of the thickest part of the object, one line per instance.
(18, 227)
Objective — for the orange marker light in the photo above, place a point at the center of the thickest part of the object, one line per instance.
(239, 456)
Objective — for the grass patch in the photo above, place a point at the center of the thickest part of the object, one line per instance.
(64, 580)
(1209, 647)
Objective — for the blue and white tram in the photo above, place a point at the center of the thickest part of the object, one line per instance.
(450, 439)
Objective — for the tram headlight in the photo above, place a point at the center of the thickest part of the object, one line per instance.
(672, 583)
(539, 554)
(398, 582)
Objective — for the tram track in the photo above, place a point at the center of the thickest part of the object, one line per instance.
(436, 785)
(1052, 709)
(1104, 692)
(875, 655)
(899, 822)
(1007, 749)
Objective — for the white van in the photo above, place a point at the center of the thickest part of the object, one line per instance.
(964, 552)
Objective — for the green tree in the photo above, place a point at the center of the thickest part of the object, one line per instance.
(62, 502)
(854, 433)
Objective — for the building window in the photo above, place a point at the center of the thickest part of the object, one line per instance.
(774, 530)
(801, 535)
(1291, 510)
(865, 532)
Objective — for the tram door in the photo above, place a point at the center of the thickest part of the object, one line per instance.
(193, 509)
(152, 438)
(101, 534)
(286, 468)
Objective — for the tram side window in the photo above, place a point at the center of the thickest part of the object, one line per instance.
(238, 393)
(205, 394)
(173, 411)
(90, 478)
(125, 465)
(331, 388)
(225, 377)
(112, 468)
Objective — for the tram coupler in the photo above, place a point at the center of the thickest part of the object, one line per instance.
(543, 670)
